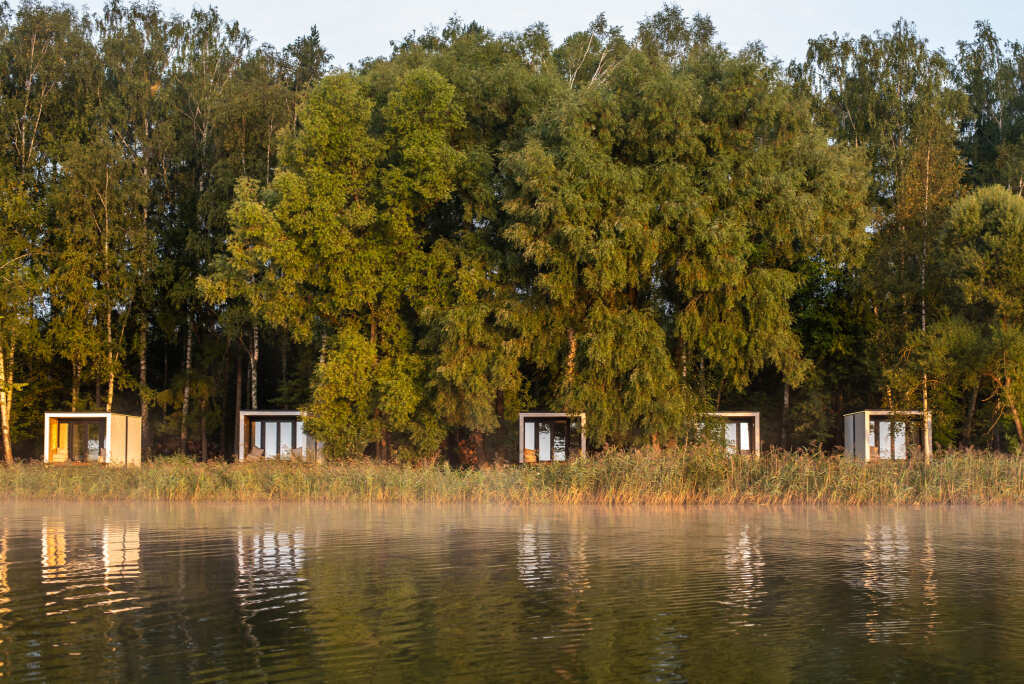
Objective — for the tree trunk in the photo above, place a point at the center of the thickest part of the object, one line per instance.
(379, 445)
(110, 363)
(924, 308)
(254, 365)
(1017, 424)
(6, 403)
(76, 384)
(185, 395)
(284, 363)
(238, 403)
(969, 423)
(785, 415)
(143, 387)
(570, 362)
(1006, 394)
(202, 430)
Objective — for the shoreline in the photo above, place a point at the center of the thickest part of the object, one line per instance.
(689, 476)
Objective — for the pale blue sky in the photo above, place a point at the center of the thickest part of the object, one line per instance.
(353, 30)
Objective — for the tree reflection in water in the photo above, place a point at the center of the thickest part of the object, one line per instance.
(394, 593)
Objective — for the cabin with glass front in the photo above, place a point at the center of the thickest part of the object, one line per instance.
(101, 438)
(278, 435)
(880, 435)
(742, 431)
(546, 437)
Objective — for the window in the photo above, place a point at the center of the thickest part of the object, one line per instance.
(271, 439)
(284, 431)
(85, 441)
(550, 439)
(300, 439)
(739, 435)
(277, 437)
(888, 438)
(544, 441)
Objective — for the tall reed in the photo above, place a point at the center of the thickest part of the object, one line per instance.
(695, 475)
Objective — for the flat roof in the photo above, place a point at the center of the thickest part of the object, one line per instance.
(547, 414)
(894, 412)
(269, 412)
(734, 414)
(85, 414)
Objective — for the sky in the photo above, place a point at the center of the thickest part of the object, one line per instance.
(356, 29)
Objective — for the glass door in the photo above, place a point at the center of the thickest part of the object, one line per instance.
(274, 437)
(85, 439)
(545, 440)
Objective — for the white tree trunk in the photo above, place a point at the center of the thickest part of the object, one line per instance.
(188, 382)
(254, 364)
(6, 400)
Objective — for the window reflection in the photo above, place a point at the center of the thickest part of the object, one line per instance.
(746, 566)
(5, 587)
(120, 550)
(55, 549)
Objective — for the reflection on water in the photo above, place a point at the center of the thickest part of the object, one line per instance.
(120, 550)
(5, 588)
(410, 592)
(745, 566)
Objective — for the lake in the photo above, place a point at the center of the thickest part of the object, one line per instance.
(392, 592)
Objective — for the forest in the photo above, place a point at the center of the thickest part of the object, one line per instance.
(640, 225)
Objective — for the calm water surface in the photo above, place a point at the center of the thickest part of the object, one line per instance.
(389, 593)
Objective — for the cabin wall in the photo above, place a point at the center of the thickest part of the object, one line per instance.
(849, 436)
(860, 435)
(133, 447)
(117, 439)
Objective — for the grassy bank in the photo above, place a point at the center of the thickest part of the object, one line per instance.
(696, 475)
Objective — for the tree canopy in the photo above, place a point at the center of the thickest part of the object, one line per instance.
(642, 227)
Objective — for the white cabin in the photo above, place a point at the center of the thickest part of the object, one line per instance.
(277, 435)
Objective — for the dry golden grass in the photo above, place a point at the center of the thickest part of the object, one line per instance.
(696, 475)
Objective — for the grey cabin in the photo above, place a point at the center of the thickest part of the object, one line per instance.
(880, 435)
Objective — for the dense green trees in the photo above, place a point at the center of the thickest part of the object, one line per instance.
(639, 227)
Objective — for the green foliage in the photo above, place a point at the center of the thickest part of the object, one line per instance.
(639, 227)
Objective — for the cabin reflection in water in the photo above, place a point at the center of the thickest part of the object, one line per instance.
(884, 576)
(745, 564)
(55, 550)
(546, 437)
(553, 553)
(121, 550)
(5, 587)
(117, 556)
(270, 556)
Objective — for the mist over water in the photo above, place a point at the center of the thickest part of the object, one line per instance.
(391, 592)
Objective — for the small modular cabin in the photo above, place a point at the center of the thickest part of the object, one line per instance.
(107, 438)
(742, 431)
(278, 435)
(875, 435)
(546, 437)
